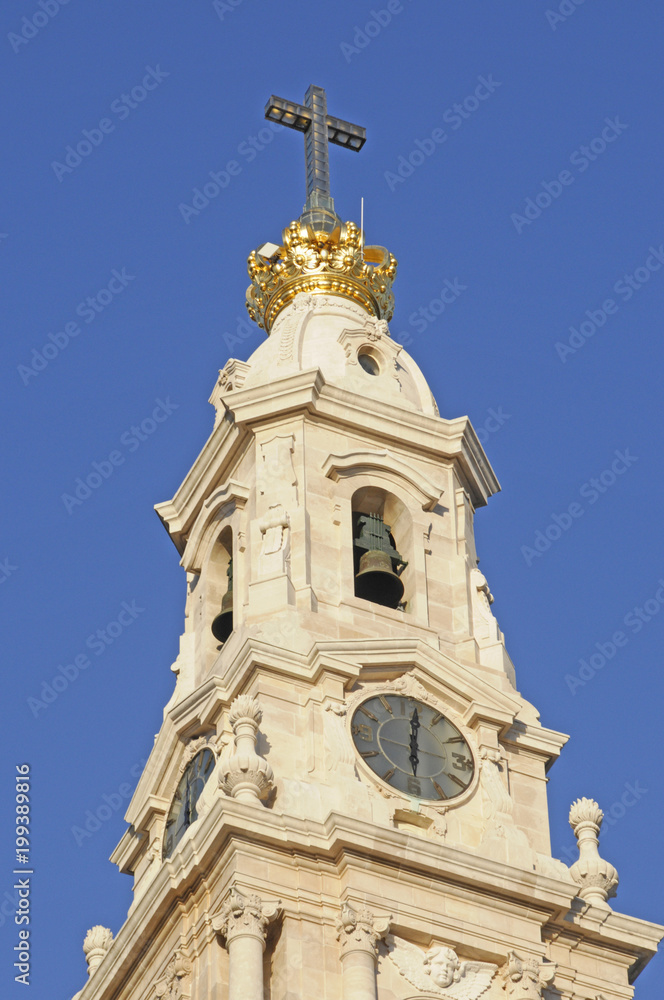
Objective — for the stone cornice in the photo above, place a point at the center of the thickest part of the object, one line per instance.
(177, 515)
(476, 697)
(535, 739)
(343, 841)
(434, 438)
(469, 692)
(586, 927)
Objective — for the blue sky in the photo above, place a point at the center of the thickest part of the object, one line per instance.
(512, 155)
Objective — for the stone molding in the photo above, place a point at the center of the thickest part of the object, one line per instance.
(194, 747)
(218, 507)
(386, 466)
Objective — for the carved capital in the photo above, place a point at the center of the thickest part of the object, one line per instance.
(245, 916)
(174, 984)
(245, 775)
(525, 978)
(97, 942)
(359, 930)
(597, 879)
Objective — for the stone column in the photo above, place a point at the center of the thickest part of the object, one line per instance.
(596, 878)
(358, 932)
(243, 922)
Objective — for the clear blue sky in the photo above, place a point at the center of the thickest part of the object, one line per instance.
(561, 120)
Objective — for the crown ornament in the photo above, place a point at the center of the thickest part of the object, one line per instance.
(320, 254)
(323, 263)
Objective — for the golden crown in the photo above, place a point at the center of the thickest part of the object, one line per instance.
(315, 261)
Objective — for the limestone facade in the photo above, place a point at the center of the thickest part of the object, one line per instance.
(304, 874)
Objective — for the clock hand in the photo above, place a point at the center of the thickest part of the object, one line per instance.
(413, 756)
(187, 808)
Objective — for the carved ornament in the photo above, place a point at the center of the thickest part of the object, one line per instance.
(244, 914)
(439, 971)
(359, 930)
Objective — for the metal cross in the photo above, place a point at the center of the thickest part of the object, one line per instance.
(319, 128)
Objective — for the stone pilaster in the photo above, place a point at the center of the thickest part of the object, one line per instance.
(358, 933)
(242, 922)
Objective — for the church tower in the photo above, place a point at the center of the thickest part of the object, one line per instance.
(347, 796)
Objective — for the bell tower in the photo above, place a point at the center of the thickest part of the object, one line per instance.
(347, 796)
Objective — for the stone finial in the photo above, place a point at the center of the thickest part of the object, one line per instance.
(97, 942)
(359, 930)
(245, 775)
(245, 707)
(597, 878)
(245, 915)
(525, 978)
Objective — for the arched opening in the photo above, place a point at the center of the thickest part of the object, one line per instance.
(381, 533)
(220, 586)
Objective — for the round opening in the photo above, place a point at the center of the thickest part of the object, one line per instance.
(369, 363)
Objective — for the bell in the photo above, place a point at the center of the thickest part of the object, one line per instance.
(377, 581)
(222, 626)
(380, 565)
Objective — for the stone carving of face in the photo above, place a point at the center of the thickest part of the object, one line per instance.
(442, 965)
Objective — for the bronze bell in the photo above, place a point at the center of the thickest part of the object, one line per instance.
(380, 566)
(222, 626)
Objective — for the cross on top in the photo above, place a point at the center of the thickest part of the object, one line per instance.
(319, 128)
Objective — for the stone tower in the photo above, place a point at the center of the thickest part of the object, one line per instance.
(347, 796)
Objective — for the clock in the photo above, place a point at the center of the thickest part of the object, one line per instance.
(412, 747)
(183, 807)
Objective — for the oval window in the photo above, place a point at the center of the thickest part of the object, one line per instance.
(368, 363)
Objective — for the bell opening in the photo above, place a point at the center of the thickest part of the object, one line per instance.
(222, 626)
(378, 564)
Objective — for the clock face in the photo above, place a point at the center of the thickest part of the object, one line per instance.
(413, 747)
(183, 808)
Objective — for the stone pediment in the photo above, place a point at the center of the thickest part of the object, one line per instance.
(384, 466)
(218, 506)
